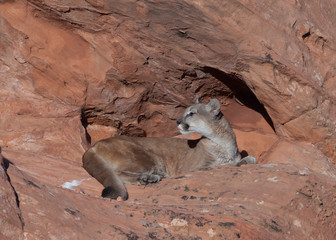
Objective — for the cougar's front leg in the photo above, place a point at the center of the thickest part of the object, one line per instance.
(247, 160)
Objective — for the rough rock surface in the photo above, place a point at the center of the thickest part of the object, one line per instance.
(73, 72)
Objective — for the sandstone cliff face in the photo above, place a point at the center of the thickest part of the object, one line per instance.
(73, 72)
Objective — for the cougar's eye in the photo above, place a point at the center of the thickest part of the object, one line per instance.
(190, 114)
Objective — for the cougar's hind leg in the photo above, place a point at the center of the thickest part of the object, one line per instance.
(114, 187)
(103, 171)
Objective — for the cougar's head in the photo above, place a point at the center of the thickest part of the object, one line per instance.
(200, 118)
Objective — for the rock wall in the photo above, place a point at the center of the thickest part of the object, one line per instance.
(73, 72)
(134, 66)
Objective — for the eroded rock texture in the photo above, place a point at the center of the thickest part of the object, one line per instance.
(73, 72)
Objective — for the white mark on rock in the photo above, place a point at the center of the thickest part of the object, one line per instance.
(304, 172)
(211, 232)
(270, 165)
(260, 203)
(177, 222)
(74, 183)
(297, 223)
(4, 68)
(41, 213)
(163, 225)
(318, 76)
(292, 87)
(329, 174)
(273, 179)
(4, 211)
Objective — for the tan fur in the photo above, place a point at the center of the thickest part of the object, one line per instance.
(118, 160)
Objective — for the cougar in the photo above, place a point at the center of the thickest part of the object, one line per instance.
(118, 160)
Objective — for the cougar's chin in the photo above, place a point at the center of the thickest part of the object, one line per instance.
(184, 132)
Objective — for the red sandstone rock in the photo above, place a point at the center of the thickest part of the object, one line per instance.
(74, 71)
(10, 214)
(265, 201)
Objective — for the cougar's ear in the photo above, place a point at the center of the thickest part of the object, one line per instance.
(198, 100)
(213, 107)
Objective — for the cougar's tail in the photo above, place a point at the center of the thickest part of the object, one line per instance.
(103, 171)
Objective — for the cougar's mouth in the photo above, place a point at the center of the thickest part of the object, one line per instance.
(183, 128)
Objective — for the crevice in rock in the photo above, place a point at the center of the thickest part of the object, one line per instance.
(300, 115)
(307, 34)
(6, 163)
(85, 124)
(240, 90)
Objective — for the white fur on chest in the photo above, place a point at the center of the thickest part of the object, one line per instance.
(222, 151)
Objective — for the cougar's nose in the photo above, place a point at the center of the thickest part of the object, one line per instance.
(178, 121)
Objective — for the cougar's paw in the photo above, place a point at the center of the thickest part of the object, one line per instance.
(247, 160)
(109, 192)
(250, 160)
(149, 178)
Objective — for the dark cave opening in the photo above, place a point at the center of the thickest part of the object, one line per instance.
(240, 90)
(218, 83)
